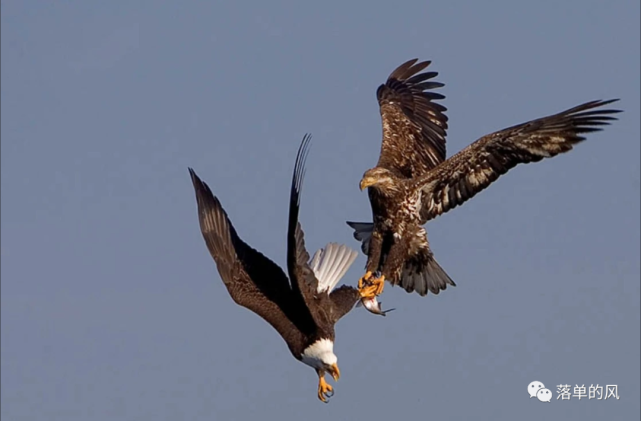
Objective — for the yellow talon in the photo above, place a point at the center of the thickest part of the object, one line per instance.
(325, 391)
(368, 292)
(363, 279)
(380, 284)
(374, 289)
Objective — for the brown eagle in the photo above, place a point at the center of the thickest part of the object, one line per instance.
(303, 309)
(413, 183)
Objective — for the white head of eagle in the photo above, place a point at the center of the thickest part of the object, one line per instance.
(320, 355)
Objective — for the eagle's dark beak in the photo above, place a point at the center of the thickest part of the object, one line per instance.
(334, 371)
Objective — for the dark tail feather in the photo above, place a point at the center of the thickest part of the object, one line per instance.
(363, 233)
(425, 276)
(421, 273)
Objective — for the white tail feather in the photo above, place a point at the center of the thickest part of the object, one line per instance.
(330, 264)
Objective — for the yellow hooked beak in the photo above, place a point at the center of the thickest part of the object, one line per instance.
(366, 182)
(335, 372)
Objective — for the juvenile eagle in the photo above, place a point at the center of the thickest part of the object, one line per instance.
(413, 183)
(304, 311)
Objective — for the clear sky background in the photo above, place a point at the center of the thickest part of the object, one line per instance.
(111, 305)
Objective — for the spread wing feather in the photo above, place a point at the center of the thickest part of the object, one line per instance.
(252, 280)
(315, 279)
(414, 126)
(473, 169)
(343, 301)
(302, 276)
(330, 264)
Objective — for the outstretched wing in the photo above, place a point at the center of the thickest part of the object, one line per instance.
(343, 301)
(253, 280)
(473, 169)
(314, 279)
(414, 126)
(303, 280)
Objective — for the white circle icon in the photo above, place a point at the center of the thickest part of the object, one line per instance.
(534, 387)
(544, 395)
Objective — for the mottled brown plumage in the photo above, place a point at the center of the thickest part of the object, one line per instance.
(414, 126)
(304, 312)
(413, 183)
(474, 168)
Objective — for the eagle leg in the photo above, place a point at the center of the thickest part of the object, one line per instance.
(365, 288)
(363, 279)
(368, 292)
(379, 283)
(374, 288)
(325, 390)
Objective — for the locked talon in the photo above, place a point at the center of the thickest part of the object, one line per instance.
(369, 291)
(373, 289)
(378, 284)
(364, 279)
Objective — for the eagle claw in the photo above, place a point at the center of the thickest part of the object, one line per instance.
(325, 391)
(379, 283)
(373, 289)
(364, 279)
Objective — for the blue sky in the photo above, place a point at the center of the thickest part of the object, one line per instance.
(111, 305)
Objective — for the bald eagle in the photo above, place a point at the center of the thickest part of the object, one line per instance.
(413, 183)
(303, 309)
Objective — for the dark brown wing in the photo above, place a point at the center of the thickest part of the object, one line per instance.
(253, 280)
(474, 168)
(343, 301)
(414, 126)
(304, 282)
(325, 309)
